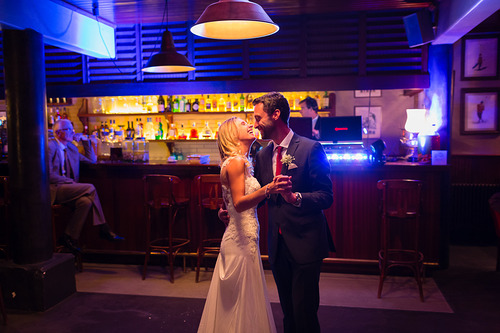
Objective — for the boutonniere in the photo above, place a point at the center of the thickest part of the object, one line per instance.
(288, 161)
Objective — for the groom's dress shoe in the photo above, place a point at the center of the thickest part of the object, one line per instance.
(70, 244)
(110, 236)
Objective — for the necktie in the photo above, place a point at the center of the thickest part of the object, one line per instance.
(67, 167)
(279, 164)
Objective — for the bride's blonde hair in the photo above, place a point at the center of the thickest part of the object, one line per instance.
(229, 144)
(227, 139)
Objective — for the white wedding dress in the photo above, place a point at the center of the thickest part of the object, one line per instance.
(237, 300)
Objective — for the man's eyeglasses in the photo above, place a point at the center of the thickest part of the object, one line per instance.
(65, 129)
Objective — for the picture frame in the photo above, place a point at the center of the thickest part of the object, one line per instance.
(480, 57)
(371, 120)
(367, 93)
(479, 111)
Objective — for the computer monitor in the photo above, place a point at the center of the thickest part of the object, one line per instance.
(341, 129)
(301, 125)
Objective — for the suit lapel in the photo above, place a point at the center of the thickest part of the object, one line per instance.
(292, 147)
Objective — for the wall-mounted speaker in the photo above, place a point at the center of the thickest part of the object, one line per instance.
(418, 28)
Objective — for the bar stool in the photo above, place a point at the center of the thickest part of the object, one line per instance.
(159, 199)
(209, 197)
(401, 205)
(61, 212)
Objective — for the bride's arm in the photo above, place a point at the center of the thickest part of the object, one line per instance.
(236, 177)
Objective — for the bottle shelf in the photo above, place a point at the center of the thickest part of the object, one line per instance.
(92, 115)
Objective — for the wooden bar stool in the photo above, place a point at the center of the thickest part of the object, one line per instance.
(162, 219)
(61, 212)
(209, 197)
(401, 205)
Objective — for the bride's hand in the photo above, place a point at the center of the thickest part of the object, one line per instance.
(280, 184)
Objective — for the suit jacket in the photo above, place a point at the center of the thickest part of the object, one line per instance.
(74, 158)
(304, 229)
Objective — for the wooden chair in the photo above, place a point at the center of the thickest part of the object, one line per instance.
(401, 206)
(62, 212)
(209, 197)
(162, 219)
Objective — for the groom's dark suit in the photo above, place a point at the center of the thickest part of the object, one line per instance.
(298, 237)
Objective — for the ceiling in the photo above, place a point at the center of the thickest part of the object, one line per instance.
(151, 11)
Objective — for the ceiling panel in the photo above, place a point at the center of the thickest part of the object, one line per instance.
(151, 11)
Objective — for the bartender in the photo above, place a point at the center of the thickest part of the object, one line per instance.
(309, 108)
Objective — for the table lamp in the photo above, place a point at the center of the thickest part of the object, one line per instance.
(415, 122)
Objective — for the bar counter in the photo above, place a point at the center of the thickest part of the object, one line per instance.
(354, 218)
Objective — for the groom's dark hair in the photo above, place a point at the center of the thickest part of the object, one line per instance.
(272, 101)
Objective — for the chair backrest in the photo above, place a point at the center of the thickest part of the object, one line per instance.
(159, 190)
(209, 191)
(401, 198)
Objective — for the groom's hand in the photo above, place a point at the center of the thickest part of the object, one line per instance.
(282, 183)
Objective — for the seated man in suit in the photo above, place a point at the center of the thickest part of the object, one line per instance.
(309, 108)
(64, 169)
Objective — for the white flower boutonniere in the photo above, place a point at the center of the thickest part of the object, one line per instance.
(288, 161)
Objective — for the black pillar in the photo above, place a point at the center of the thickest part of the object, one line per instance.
(30, 210)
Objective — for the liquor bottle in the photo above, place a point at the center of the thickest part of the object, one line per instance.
(326, 101)
(221, 106)
(196, 105)
(129, 131)
(172, 132)
(208, 104)
(207, 132)
(188, 105)
(58, 115)
(297, 100)
(159, 132)
(149, 130)
(217, 131)
(149, 105)
(242, 102)
(229, 104)
(291, 100)
(249, 105)
(168, 106)
(214, 104)
(193, 134)
(50, 117)
(318, 100)
(236, 100)
(111, 128)
(202, 104)
(176, 104)
(182, 133)
(161, 104)
(64, 114)
(182, 104)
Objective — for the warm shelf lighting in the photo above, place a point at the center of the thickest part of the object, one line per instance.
(233, 20)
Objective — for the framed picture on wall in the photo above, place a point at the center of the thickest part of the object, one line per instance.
(371, 120)
(480, 58)
(367, 93)
(479, 111)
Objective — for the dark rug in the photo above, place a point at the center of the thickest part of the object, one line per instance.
(90, 312)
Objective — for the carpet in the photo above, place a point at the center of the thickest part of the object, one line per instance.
(342, 290)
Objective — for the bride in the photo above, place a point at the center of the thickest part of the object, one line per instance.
(237, 300)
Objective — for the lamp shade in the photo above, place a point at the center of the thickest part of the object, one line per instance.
(168, 60)
(415, 120)
(234, 19)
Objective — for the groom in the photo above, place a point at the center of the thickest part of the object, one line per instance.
(298, 234)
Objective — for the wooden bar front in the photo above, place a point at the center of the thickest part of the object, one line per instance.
(353, 218)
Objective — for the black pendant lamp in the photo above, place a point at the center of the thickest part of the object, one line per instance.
(168, 60)
(234, 19)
